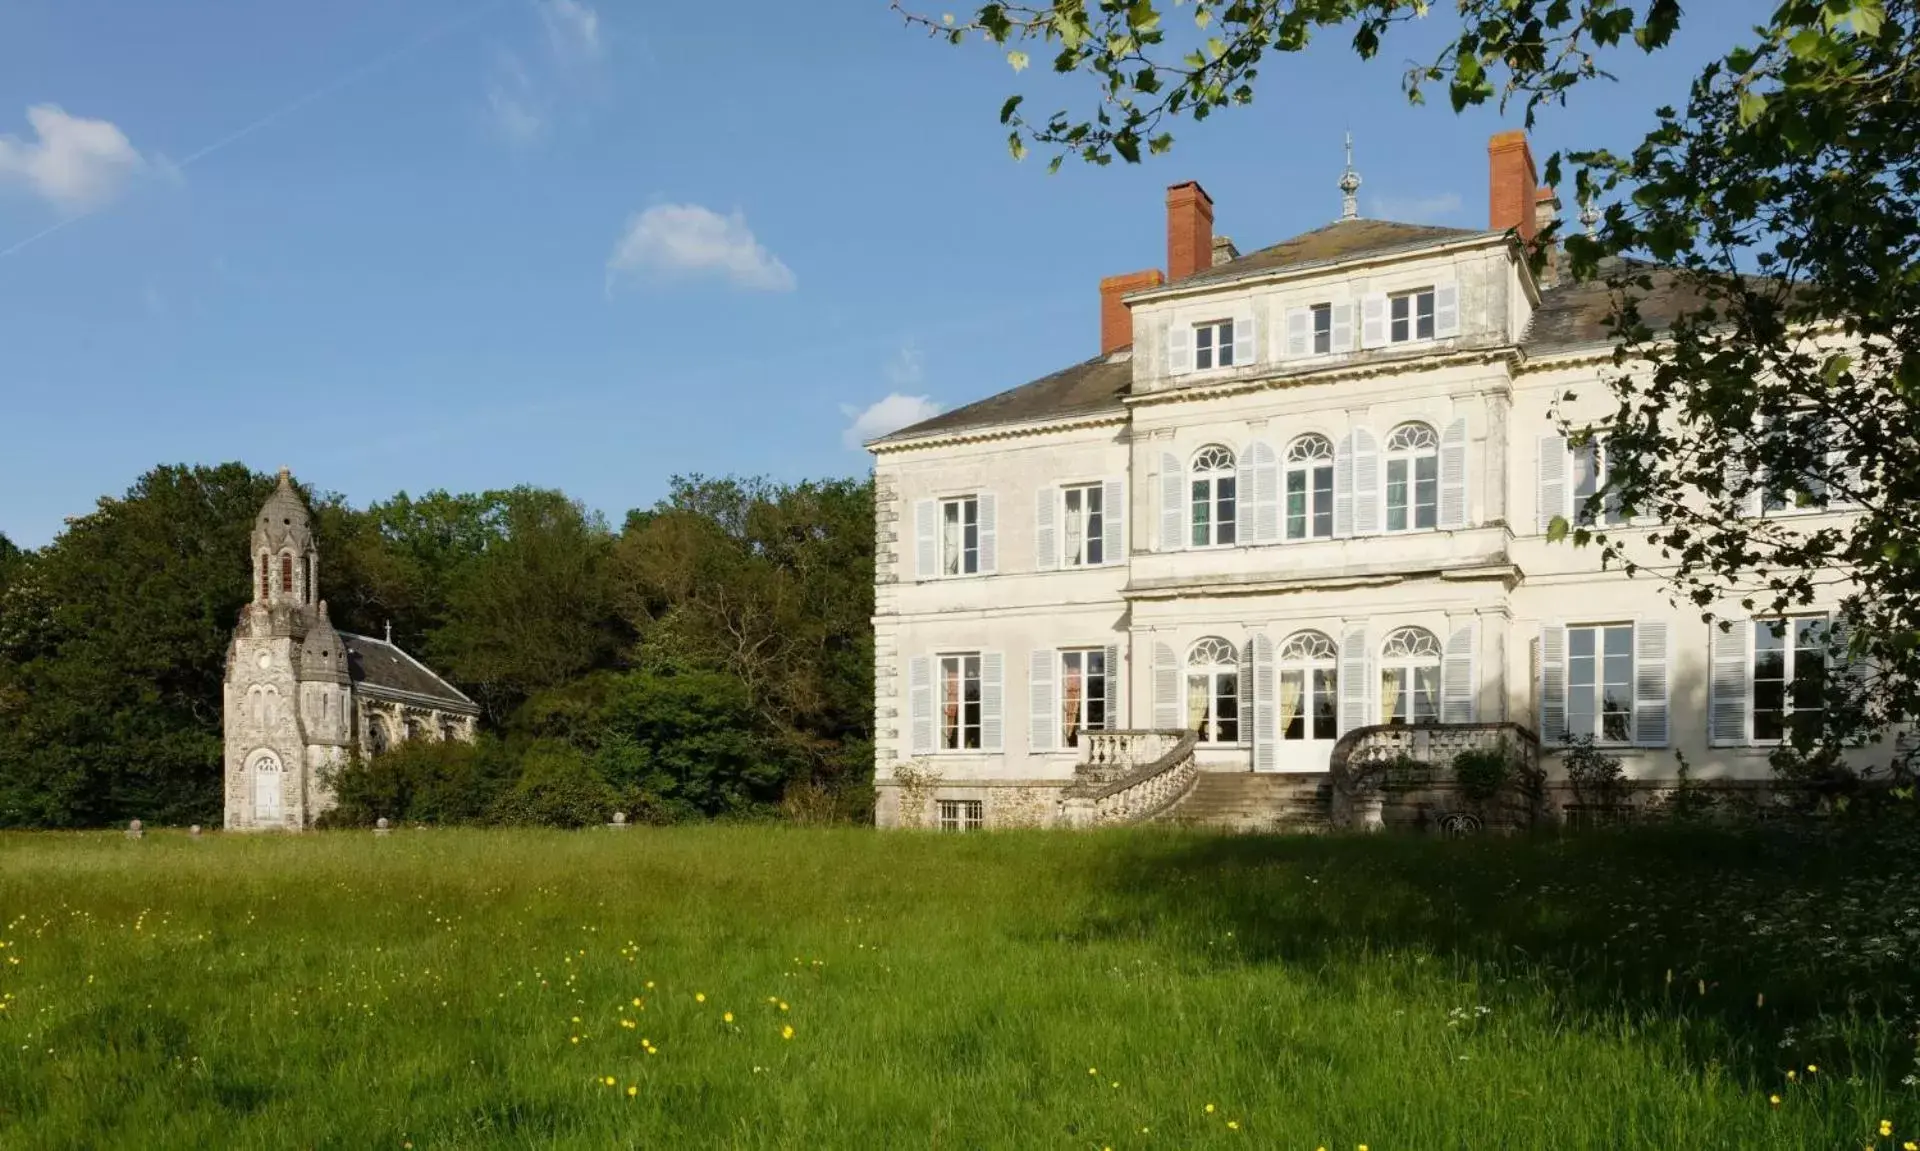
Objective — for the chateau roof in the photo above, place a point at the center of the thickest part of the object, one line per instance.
(1089, 388)
(1573, 316)
(1340, 240)
(385, 669)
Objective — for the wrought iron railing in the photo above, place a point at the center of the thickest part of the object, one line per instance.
(1116, 784)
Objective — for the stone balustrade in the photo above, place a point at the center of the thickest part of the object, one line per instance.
(1403, 774)
(1122, 786)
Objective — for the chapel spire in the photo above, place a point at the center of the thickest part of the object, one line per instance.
(286, 565)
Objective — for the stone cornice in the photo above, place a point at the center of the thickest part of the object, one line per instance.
(1502, 354)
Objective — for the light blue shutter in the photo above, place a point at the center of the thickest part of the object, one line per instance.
(1046, 546)
(989, 535)
(1266, 735)
(1366, 483)
(1179, 349)
(992, 701)
(1040, 709)
(1650, 683)
(1299, 331)
(1453, 475)
(1551, 491)
(1553, 684)
(1113, 520)
(1342, 334)
(1343, 486)
(1446, 311)
(1457, 682)
(1263, 493)
(1373, 321)
(1173, 503)
(1166, 689)
(920, 704)
(926, 521)
(1245, 349)
(1112, 695)
(1729, 684)
(1244, 681)
(1355, 669)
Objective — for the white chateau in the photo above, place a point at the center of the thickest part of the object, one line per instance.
(300, 695)
(1299, 492)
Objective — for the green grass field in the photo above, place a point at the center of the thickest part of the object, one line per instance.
(1124, 990)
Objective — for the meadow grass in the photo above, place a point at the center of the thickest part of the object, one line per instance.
(1144, 989)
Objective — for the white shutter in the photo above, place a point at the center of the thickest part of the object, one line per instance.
(1366, 483)
(1553, 684)
(1179, 349)
(1738, 479)
(926, 522)
(1266, 735)
(1113, 520)
(1166, 689)
(989, 535)
(1456, 677)
(1244, 681)
(1299, 331)
(1040, 708)
(1173, 502)
(1263, 493)
(1245, 351)
(1551, 490)
(1343, 486)
(1729, 680)
(1852, 671)
(1342, 334)
(1373, 321)
(1453, 475)
(1650, 683)
(1046, 544)
(1112, 694)
(1446, 311)
(992, 701)
(1354, 672)
(920, 704)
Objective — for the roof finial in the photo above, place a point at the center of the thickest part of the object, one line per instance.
(285, 474)
(389, 632)
(1349, 185)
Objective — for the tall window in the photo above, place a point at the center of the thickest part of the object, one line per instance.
(1309, 687)
(1413, 478)
(1213, 496)
(1310, 488)
(960, 702)
(1411, 316)
(1213, 691)
(1410, 677)
(1084, 537)
(1789, 675)
(1600, 682)
(1213, 345)
(960, 536)
(286, 573)
(266, 788)
(1083, 693)
(962, 815)
(1322, 328)
(1591, 471)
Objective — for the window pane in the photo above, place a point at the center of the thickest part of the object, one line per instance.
(1322, 329)
(1203, 338)
(1425, 310)
(1325, 693)
(1292, 705)
(1426, 694)
(1581, 696)
(1296, 504)
(1224, 509)
(1396, 495)
(1426, 492)
(1226, 344)
(1202, 512)
(1323, 502)
(1226, 706)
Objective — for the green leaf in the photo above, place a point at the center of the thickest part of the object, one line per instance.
(1010, 107)
(1752, 106)
(1557, 529)
(1016, 145)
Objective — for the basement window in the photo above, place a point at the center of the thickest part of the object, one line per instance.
(962, 815)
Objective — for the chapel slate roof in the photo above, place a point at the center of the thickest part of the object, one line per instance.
(378, 664)
(1088, 388)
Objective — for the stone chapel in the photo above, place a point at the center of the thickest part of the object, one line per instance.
(300, 695)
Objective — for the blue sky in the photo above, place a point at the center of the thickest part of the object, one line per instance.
(408, 244)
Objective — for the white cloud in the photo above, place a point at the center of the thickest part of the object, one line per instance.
(75, 164)
(888, 414)
(1417, 209)
(512, 106)
(687, 239)
(906, 369)
(573, 29)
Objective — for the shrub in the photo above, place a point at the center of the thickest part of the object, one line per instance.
(557, 787)
(426, 781)
(1597, 778)
(1482, 772)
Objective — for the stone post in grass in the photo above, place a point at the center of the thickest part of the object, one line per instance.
(381, 826)
(194, 831)
(619, 821)
(134, 830)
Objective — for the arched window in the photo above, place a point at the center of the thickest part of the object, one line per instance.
(1410, 677)
(1213, 691)
(1309, 488)
(1309, 687)
(286, 572)
(1214, 496)
(1413, 478)
(266, 788)
(378, 738)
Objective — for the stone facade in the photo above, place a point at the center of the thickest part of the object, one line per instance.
(301, 697)
(1429, 591)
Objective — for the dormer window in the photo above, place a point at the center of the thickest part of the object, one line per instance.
(1213, 345)
(1410, 316)
(1322, 329)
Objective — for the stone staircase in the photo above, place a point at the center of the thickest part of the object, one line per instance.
(1249, 801)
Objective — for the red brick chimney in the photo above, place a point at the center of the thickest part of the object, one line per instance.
(1189, 230)
(1513, 186)
(1116, 319)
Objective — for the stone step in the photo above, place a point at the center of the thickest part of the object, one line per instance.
(1246, 801)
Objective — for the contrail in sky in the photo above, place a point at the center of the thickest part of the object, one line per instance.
(322, 92)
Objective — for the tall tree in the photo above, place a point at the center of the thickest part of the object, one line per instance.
(1781, 205)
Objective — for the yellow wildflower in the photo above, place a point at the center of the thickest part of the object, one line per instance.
(1233, 1125)
(699, 997)
(1774, 1099)
(636, 999)
(609, 1080)
(727, 1018)
(632, 1090)
(1812, 1070)
(1093, 1071)
(786, 1032)
(1886, 1128)
(1793, 1076)
(1209, 1108)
